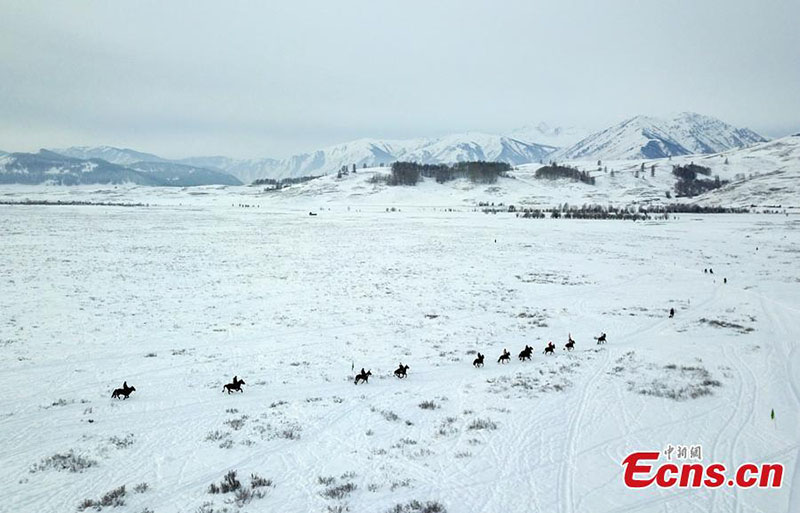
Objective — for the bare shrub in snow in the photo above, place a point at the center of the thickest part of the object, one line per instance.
(680, 384)
(403, 483)
(717, 323)
(428, 405)
(228, 484)
(478, 424)
(245, 495)
(237, 423)
(216, 435)
(340, 491)
(113, 498)
(416, 506)
(290, 433)
(257, 481)
(387, 414)
(121, 443)
(68, 461)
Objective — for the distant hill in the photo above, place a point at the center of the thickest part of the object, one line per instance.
(47, 167)
(53, 168)
(172, 173)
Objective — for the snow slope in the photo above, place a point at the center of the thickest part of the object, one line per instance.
(177, 299)
(650, 137)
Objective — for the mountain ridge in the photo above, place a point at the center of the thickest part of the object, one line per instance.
(638, 137)
(49, 167)
(647, 137)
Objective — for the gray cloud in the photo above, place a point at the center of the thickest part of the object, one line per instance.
(265, 79)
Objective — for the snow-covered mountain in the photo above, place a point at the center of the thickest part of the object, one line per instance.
(762, 175)
(641, 137)
(183, 175)
(121, 156)
(47, 167)
(53, 168)
(650, 137)
(374, 152)
(544, 133)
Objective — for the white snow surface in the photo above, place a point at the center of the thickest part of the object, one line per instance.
(178, 297)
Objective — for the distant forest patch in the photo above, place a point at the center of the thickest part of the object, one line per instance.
(554, 172)
(282, 182)
(409, 173)
(689, 184)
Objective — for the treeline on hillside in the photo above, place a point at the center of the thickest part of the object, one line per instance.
(73, 203)
(409, 173)
(689, 184)
(585, 211)
(554, 172)
(282, 182)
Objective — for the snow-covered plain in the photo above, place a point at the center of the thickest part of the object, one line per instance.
(177, 298)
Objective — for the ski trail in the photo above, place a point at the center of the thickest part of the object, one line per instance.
(792, 370)
(566, 475)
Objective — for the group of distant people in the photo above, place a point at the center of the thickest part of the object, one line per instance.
(711, 271)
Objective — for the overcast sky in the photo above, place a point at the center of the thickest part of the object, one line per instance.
(272, 78)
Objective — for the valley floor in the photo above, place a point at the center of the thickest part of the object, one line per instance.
(177, 299)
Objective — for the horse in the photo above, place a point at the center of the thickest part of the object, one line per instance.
(402, 371)
(478, 361)
(601, 339)
(525, 354)
(123, 392)
(236, 385)
(505, 357)
(363, 376)
(569, 346)
(550, 348)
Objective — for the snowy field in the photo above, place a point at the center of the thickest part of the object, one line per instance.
(177, 299)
